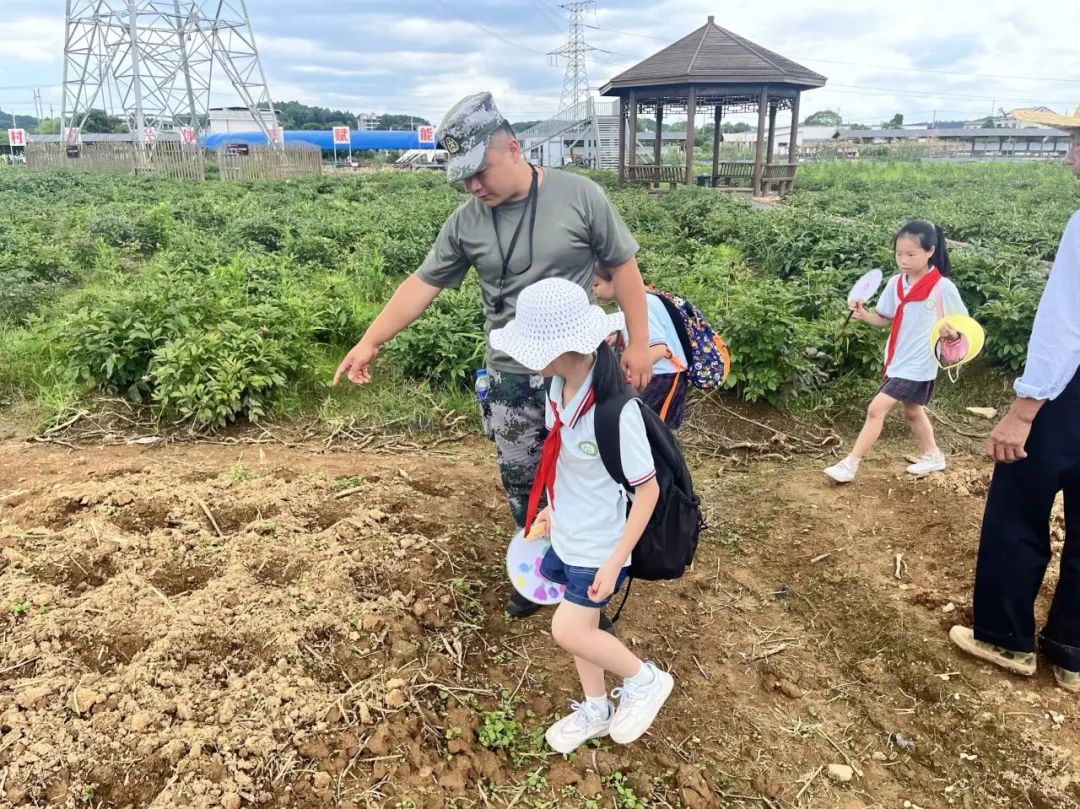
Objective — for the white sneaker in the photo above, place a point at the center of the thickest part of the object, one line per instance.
(576, 728)
(639, 705)
(843, 472)
(928, 463)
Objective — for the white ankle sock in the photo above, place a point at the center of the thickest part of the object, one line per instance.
(599, 706)
(645, 676)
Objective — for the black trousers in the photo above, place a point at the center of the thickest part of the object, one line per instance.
(1014, 548)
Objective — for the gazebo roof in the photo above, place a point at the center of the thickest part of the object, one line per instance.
(713, 55)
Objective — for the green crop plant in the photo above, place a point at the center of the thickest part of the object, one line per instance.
(209, 303)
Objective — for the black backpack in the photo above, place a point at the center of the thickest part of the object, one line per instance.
(669, 542)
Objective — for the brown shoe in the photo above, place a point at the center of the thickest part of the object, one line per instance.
(1016, 662)
(1069, 680)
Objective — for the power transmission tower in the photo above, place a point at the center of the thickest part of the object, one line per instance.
(157, 56)
(575, 89)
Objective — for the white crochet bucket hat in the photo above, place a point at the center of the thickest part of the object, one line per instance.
(553, 316)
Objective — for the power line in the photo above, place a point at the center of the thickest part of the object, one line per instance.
(543, 12)
(487, 30)
(627, 33)
(28, 86)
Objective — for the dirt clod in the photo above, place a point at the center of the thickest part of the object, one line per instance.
(840, 773)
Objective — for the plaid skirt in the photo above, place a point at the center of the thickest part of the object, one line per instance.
(656, 393)
(907, 390)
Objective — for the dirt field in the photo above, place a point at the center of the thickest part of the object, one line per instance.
(224, 626)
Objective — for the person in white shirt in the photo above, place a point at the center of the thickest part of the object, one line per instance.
(558, 332)
(1037, 449)
(666, 392)
(913, 301)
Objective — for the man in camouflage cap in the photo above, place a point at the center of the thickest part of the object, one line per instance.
(522, 223)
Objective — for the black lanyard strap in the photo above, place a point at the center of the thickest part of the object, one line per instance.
(530, 211)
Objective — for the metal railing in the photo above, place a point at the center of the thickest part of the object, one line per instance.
(560, 122)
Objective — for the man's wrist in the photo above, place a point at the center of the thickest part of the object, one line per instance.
(1025, 409)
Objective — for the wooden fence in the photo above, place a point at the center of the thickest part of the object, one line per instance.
(265, 163)
(162, 159)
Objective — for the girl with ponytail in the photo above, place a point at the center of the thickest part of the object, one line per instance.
(914, 300)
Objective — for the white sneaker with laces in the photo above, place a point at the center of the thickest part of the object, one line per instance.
(931, 462)
(843, 472)
(577, 727)
(639, 705)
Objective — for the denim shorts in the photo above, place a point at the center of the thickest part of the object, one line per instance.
(578, 580)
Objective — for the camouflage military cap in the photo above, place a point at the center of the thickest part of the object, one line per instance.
(464, 134)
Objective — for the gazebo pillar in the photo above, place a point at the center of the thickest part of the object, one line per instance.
(793, 149)
(718, 115)
(759, 151)
(631, 158)
(771, 150)
(772, 135)
(622, 139)
(691, 109)
(658, 144)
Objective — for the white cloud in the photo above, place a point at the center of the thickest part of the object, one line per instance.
(327, 70)
(34, 39)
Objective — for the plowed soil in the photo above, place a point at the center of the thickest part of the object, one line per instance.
(224, 626)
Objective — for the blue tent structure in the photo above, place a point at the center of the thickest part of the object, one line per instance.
(323, 139)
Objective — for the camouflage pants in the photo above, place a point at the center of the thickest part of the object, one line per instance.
(514, 419)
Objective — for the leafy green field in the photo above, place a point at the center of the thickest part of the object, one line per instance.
(213, 302)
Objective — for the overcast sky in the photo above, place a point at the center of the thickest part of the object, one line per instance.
(957, 58)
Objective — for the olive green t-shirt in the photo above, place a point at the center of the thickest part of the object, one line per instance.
(575, 225)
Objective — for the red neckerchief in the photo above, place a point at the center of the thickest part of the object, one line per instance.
(549, 458)
(920, 291)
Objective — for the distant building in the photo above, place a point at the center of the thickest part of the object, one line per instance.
(1007, 142)
(238, 119)
(1006, 120)
(1015, 123)
(367, 121)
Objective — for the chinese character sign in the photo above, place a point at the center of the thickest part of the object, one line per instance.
(17, 137)
(275, 134)
(149, 135)
(426, 134)
(341, 136)
(73, 137)
(187, 135)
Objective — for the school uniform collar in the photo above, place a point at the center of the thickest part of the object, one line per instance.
(905, 279)
(579, 405)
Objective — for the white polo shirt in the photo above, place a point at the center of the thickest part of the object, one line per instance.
(662, 331)
(589, 513)
(914, 358)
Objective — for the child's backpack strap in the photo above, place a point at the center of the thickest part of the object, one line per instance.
(678, 318)
(606, 424)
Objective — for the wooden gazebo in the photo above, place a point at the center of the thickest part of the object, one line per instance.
(712, 67)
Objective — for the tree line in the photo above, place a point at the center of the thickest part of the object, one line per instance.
(291, 115)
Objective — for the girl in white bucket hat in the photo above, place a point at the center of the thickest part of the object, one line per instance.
(558, 332)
